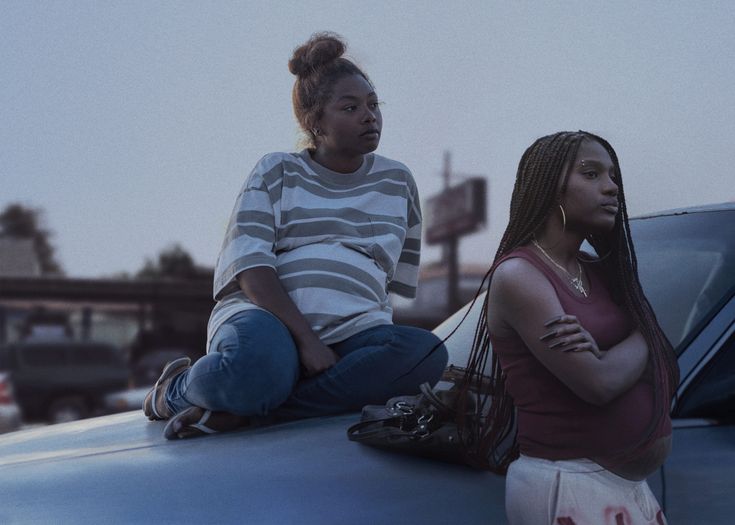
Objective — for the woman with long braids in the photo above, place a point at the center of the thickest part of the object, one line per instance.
(317, 240)
(577, 354)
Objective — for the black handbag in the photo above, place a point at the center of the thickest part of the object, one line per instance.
(421, 425)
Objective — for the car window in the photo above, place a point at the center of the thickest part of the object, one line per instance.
(712, 394)
(686, 264)
(42, 356)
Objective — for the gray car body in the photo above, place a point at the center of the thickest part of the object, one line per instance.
(9, 409)
(9, 417)
(120, 469)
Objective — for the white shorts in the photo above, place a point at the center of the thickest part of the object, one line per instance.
(576, 492)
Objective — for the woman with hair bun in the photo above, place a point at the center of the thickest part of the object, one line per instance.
(577, 352)
(302, 324)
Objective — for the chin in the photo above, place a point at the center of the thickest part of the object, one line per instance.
(371, 147)
(602, 228)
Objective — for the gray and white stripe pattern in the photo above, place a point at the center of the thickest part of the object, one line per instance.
(339, 242)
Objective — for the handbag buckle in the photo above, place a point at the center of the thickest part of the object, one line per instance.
(403, 407)
(422, 426)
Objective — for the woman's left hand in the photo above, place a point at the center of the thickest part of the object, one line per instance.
(568, 335)
(316, 357)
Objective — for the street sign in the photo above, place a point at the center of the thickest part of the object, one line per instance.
(456, 211)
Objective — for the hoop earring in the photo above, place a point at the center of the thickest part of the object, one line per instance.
(563, 227)
(563, 219)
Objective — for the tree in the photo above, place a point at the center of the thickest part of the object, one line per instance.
(20, 222)
(173, 262)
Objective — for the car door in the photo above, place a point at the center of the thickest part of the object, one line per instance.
(39, 374)
(697, 483)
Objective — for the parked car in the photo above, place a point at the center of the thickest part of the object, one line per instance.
(9, 410)
(62, 380)
(120, 469)
(147, 368)
(126, 400)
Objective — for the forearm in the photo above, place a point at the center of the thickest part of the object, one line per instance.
(527, 302)
(262, 286)
(595, 376)
(621, 366)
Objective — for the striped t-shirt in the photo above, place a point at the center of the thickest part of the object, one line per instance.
(339, 242)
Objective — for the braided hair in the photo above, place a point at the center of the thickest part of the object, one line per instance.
(534, 199)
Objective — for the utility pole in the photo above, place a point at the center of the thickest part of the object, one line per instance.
(457, 210)
(450, 249)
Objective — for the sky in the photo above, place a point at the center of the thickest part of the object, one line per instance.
(134, 124)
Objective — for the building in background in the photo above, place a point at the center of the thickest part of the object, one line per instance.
(149, 321)
(18, 258)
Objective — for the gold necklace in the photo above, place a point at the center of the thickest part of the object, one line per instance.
(577, 282)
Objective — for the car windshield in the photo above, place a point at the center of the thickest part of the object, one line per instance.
(686, 264)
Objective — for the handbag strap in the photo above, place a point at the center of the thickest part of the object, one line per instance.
(374, 428)
(456, 375)
(435, 400)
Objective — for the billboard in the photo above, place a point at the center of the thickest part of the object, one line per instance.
(456, 211)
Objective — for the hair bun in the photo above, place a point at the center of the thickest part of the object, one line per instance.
(319, 50)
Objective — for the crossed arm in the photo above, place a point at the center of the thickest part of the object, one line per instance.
(524, 300)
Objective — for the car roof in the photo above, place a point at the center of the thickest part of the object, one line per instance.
(722, 206)
(120, 469)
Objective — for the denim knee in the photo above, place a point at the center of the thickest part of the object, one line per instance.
(423, 342)
(417, 353)
(434, 360)
(259, 365)
(426, 354)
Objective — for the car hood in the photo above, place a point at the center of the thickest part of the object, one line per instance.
(120, 469)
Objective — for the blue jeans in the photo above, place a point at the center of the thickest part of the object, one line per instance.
(252, 369)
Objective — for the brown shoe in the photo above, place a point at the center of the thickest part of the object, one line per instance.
(154, 404)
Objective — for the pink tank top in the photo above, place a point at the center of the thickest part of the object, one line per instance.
(553, 422)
